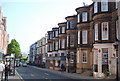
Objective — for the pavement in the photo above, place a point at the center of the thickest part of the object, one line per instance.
(15, 77)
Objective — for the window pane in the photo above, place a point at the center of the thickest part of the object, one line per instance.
(84, 56)
(96, 31)
(67, 24)
(105, 31)
(78, 18)
(84, 16)
(71, 41)
(63, 43)
(78, 37)
(56, 33)
(71, 24)
(104, 5)
(67, 40)
(84, 37)
(95, 7)
(63, 29)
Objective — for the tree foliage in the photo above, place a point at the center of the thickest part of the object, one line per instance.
(14, 47)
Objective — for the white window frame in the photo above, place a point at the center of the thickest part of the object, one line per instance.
(78, 17)
(96, 7)
(84, 16)
(84, 56)
(104, 5)
(79, 37)
(105, 35)
(84, 37)
(96, 31)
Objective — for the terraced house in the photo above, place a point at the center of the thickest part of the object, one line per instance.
(88, 41)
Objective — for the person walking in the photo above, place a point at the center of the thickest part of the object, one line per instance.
(6, 71)
(62, 68)
(2, 67)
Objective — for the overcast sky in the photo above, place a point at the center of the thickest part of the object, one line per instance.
(29, 20)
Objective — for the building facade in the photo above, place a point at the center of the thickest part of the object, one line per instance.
(85, 39)
(4, 37)
(71, 49)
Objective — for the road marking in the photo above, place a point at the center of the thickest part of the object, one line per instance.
(46, 73)
(19, 76)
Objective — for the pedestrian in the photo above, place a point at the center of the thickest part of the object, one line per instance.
(2, 67)
(62, 68)
(6, 71)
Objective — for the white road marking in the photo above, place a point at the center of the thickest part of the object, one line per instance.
(46, 73)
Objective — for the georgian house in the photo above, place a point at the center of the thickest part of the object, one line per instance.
(62, 43)
(71, 43)
(85, 39)
(105, 30)
(55, 55)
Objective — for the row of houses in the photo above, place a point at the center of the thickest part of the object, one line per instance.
(86, 43)
(4, 37)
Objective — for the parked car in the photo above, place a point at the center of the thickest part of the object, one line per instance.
(24, 64)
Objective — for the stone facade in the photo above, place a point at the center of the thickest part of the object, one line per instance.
(4, 37)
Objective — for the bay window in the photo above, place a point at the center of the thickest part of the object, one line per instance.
(104, 5)
(105, 31)
(96, 31)
(84, 16)
(84, 37)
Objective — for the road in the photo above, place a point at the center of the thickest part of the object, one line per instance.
(34, 73)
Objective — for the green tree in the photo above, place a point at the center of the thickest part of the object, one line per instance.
(14, 47)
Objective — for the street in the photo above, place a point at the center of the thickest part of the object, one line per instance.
(35, 73)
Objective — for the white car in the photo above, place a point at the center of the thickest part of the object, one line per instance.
(24, 64)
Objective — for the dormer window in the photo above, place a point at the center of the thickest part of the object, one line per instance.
(95, 7)
(84, 16)
(104, 5)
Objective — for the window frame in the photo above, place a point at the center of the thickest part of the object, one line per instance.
(84, 37)
(103, 32)
(84, 16)
(95, 7)
(104, 5)
(96, 32)
(85, 57)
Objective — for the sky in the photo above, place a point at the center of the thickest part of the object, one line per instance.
(29, 20)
